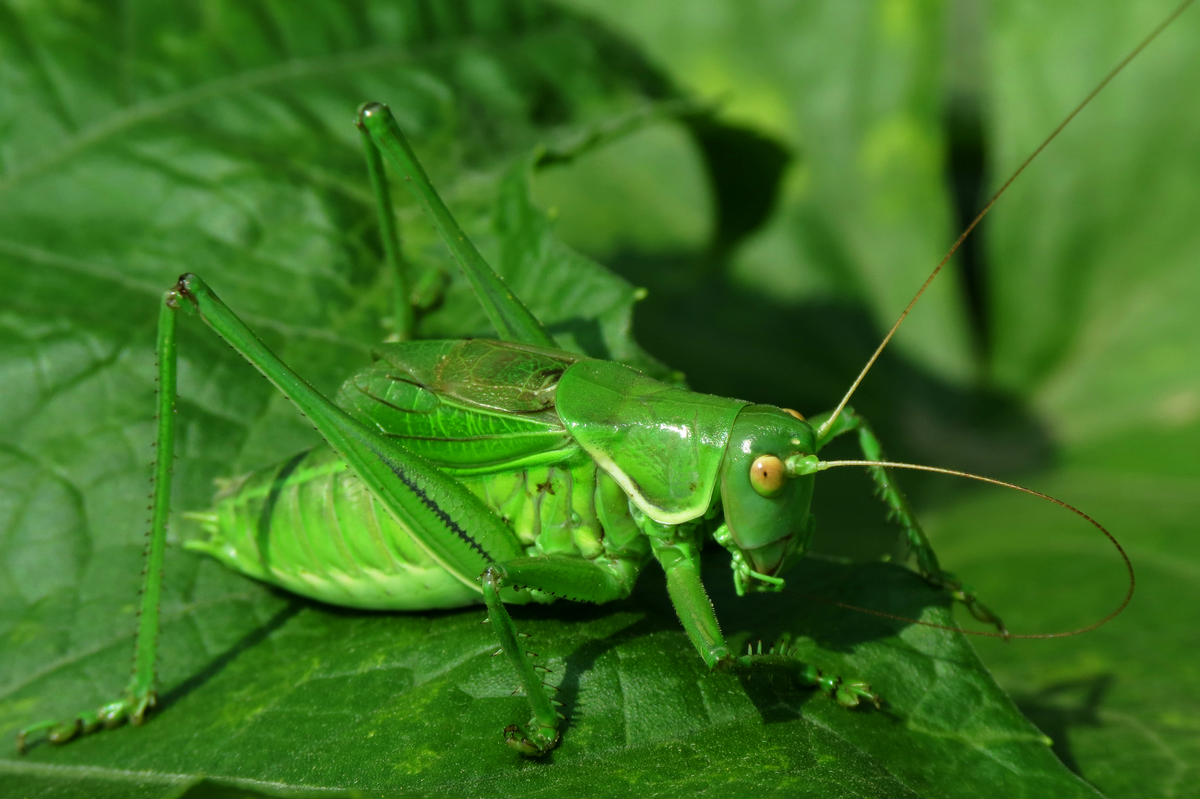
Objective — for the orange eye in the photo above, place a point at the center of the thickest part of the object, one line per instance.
(797, 414)
(767, 475)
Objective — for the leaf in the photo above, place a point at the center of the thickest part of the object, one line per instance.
(219, 145)
(1085, 385)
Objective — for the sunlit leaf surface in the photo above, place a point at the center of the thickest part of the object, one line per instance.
(141, 142)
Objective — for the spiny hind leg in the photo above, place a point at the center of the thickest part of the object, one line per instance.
(383, 137)
(139, 694)
(413, 289)
(900, 512)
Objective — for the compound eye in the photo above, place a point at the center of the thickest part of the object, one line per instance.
(767, 475)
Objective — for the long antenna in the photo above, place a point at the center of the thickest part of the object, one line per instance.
(978, 217)
(823, 465)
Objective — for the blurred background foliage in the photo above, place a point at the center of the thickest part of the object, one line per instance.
(779, 177)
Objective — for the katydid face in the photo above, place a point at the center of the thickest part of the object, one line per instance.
(766, 509)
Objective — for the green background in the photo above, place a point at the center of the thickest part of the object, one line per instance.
(780, 177)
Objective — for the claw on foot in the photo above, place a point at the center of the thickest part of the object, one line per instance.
(982, 612)
(966, 595)
(131, 708)
(59, 732)
(536, 743)
(847, 693)
(852, 694)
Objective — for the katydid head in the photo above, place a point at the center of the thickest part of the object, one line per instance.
(765, 498)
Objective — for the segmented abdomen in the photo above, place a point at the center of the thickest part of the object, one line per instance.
(572, 508)
(312, 527)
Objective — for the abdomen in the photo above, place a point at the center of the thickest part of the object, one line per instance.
(312, 527)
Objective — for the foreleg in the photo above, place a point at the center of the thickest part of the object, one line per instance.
(678, 553)
(901, 512)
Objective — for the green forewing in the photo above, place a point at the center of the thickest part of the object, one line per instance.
(470, 407)
(662, 444)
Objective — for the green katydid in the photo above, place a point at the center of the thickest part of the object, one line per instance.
(441, 496)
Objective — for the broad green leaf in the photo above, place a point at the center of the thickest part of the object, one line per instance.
(140, 147)
(1087, 387)
(1094, 325)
